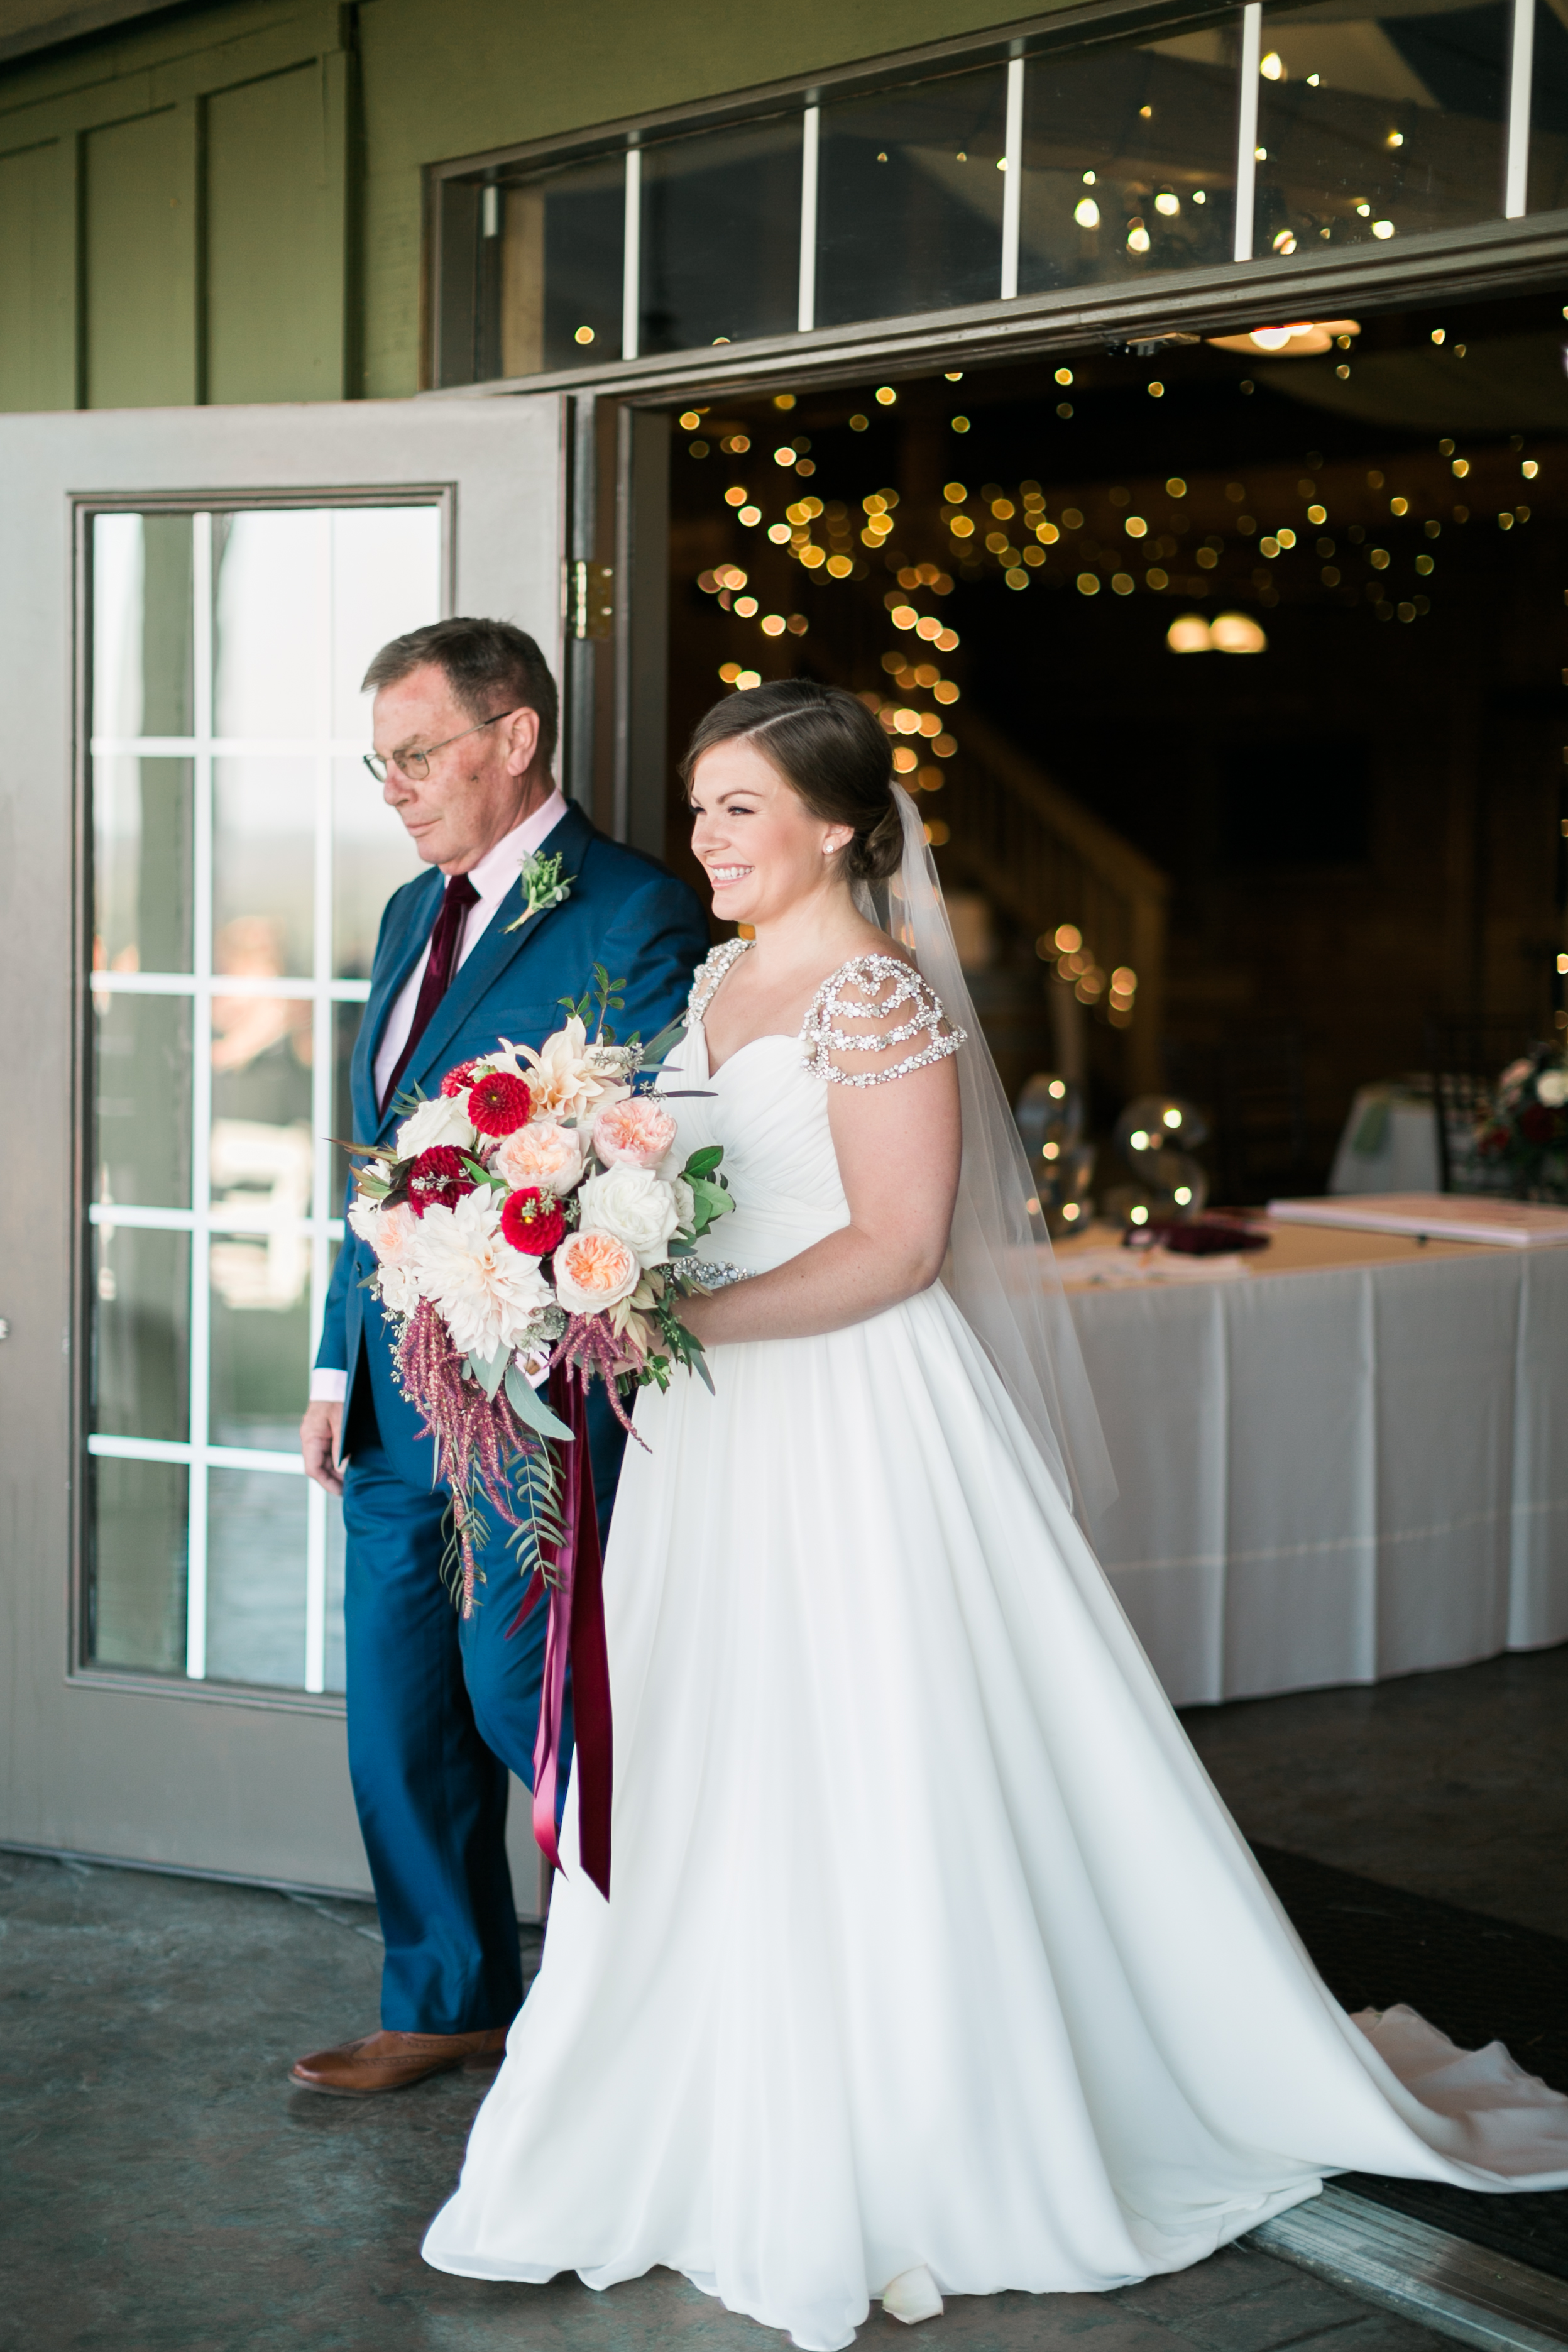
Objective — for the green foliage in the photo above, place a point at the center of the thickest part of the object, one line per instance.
(595, 1004)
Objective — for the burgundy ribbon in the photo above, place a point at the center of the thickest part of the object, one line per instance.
(575, 1627)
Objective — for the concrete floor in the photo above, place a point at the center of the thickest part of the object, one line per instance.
(167, 2192)
(1454, 1785)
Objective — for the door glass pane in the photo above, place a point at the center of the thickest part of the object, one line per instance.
(141, 624)
(386, 580)
(1129, 162)
(142, 1100)
(371, 857)
(910, 199)
(202, 1329)
(721, 236)
(141, 1333)
(260, 1338)
(271, 649)
(346, 1031)
(143, 812)
(335, 1678)
(255, 1577)
(1373, 126)
(137, 1615)
(264, 841)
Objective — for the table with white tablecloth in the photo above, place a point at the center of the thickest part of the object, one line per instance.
(1347, 1461)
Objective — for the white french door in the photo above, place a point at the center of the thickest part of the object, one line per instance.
(198, 868)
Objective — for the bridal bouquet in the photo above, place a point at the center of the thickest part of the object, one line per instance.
(530, 1225)
(531, 1218)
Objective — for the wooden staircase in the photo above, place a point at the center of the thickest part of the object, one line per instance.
(1044, 860)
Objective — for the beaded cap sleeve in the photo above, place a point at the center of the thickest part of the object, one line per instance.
(710, 971)
(863, 1012)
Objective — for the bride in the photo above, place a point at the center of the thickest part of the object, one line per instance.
(934, 1963)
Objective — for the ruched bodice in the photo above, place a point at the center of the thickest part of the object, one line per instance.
(770, 1116)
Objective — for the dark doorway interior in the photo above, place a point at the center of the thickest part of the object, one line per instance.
(1273, 866)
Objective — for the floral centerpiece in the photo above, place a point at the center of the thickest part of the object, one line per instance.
(533, 1231)
(1524, 1133)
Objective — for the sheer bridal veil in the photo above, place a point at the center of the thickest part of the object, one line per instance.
(1002, 1273)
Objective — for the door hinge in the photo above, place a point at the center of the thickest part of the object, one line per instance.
(591, 598)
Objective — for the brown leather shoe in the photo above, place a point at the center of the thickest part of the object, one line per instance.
(391, 2062)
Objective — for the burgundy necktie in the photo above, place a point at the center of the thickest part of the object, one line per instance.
(444, 941)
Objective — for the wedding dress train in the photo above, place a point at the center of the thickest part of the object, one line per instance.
(930, 1943)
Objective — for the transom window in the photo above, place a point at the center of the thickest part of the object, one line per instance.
(241, 858)
(1269, 130)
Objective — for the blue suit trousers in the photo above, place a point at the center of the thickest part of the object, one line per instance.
(440, 1708)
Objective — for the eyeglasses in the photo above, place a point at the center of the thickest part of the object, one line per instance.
(415, 765)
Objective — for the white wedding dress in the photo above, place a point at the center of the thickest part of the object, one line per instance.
(931, 1946)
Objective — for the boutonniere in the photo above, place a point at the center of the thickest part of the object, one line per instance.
(543, 887)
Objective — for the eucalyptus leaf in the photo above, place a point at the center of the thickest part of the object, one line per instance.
(530, 1407)
(489, 1371)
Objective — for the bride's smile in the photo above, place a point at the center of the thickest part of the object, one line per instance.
(762, 849)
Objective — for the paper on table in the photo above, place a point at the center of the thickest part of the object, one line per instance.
(1125, 1269)
(1450, 1216)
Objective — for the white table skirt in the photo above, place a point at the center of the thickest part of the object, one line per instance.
(1341, 1473)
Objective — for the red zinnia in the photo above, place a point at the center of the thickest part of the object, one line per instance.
(437, 1179)
(499, 1104)
(458, 1081)
(532, 1221)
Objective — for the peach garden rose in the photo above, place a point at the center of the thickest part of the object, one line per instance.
(542, 1154)
(635, 1133)
(595, 1271)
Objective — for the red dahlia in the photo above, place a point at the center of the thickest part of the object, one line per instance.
(499, 1104)
(532, 1223)
(437, 1179)
(458, 1081)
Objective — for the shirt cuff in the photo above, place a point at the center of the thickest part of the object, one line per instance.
(327, 1386)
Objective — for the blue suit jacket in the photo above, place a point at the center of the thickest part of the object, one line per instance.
(625, 912)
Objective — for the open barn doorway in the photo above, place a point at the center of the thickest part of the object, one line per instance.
(1230, 674)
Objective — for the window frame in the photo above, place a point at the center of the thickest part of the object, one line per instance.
(82, 1666)
(1525, 249)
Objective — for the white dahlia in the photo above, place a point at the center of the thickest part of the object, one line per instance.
(489, 1295)
(570, 1077)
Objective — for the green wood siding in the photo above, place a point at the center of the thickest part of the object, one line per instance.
(275, 326)
(38, 277)
(231, 159)
(139, 189)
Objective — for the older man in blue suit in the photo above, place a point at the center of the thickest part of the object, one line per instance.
(440, 1706)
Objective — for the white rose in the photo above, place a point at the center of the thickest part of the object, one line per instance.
(669, 1169)
(635, 1206)
(1551, 1085)
(442, 1119)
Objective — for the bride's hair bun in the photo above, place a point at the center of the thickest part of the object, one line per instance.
(828, 750)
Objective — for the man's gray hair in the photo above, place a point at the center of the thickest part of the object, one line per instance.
(490, 666)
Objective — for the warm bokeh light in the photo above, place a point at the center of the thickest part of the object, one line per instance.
(1238, 633)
